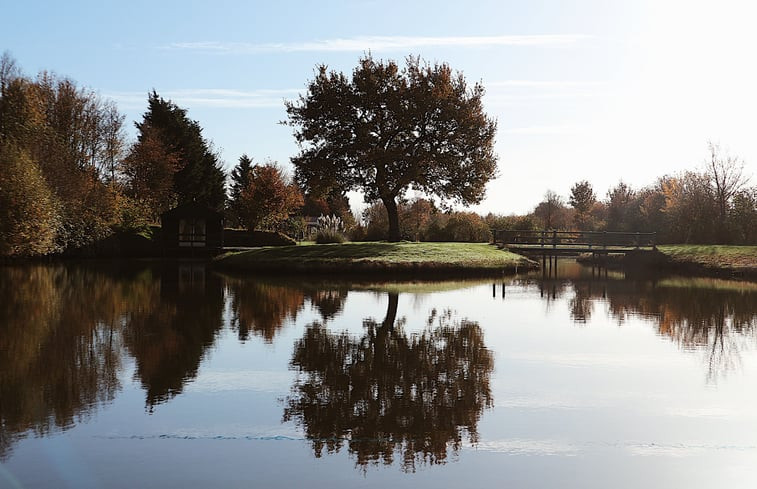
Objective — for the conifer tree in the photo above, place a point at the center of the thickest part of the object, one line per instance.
(200, 177)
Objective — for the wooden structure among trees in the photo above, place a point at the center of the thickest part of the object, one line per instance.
(192, 226)
(554, 243)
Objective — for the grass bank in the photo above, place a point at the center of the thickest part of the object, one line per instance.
(714, 259)
(377, 258)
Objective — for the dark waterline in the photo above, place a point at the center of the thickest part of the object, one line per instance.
(171, 375)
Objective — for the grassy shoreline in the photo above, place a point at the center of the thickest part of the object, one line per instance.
(712, 259)
(403, 258)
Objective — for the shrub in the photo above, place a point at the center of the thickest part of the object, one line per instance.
(324, 236)
(330, 230)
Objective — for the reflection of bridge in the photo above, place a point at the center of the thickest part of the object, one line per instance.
(553, 243)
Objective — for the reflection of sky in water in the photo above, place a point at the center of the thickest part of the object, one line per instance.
(605, 402)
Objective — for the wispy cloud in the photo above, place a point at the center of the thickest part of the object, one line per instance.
(380, 43)
(211, 97)
(543, 130)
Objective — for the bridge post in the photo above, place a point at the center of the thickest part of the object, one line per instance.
(637, 240)
(554, 239)
(604, 240)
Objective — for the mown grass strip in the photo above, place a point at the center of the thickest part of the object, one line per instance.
(724, 257)
(376, 257)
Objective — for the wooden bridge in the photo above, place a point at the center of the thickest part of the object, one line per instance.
(554, 243)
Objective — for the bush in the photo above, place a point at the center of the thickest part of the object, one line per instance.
(324, 236)
(467, 227)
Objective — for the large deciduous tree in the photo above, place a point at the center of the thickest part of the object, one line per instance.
(389, 129)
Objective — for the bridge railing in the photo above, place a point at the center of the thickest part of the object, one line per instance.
(589, 240)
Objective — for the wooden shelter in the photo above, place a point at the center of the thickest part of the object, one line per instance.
(191, 226)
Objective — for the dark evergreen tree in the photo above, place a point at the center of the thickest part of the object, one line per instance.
(200, 177)
(240, 179)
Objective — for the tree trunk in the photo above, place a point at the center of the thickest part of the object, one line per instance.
(394, 219)
(391, 311)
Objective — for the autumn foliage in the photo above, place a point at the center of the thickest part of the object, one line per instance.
(268, 198)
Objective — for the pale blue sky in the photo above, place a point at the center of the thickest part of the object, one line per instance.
(597, 90)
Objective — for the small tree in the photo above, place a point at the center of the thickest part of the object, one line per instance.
(415, 216)
(726, 176)
(149, 171)
(551, 210)
(621, 204)
(582, 199)
(387, 130)
(240, 179)
(743, 216)
(269, 198)
(690, 208)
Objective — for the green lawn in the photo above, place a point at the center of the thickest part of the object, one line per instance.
(726, 257)
(376, 257)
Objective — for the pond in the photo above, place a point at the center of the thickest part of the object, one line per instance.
(172, 375)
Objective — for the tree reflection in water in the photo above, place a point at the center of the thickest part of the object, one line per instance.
(67, 331)
(61, 344)
(168, 342)
(390, 393)
(329, 302)
(717, 317)
(261, 308)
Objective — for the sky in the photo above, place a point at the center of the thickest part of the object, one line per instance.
(597, 90)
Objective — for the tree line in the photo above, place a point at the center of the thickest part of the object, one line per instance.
(71, 178)
(714, 204)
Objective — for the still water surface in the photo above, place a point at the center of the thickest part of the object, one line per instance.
(155, 375)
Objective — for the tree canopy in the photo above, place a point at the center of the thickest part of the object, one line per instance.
(386, 130)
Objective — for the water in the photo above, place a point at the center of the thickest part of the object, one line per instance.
(150, 375)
